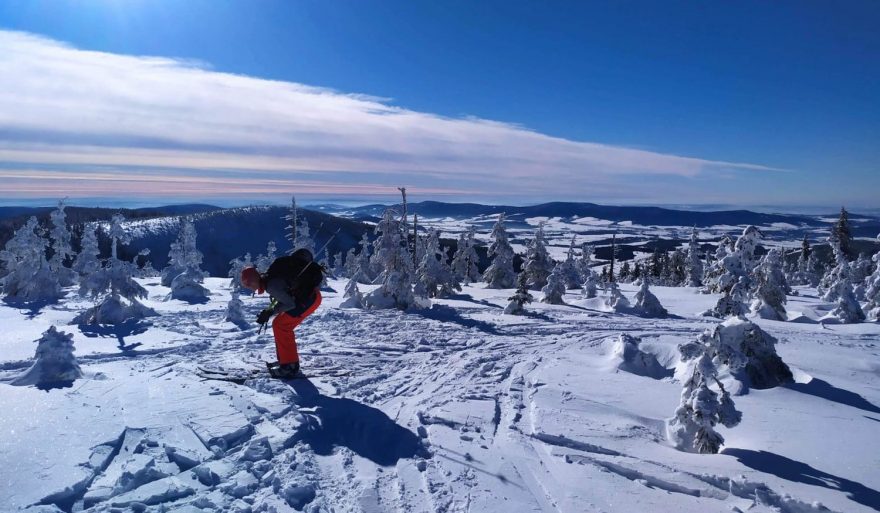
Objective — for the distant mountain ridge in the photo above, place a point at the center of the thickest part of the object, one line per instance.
(650, 216)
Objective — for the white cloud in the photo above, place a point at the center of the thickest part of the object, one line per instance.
(61, 106)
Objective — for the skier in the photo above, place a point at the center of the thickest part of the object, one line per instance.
(293, 282)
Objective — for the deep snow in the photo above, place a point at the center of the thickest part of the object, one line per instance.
(457, 408)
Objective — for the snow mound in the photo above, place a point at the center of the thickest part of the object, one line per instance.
(55, 362)
(628, 356)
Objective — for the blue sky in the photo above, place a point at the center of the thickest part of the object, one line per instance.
(740, 103)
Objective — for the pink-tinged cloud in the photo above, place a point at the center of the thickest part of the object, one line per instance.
(70, 109)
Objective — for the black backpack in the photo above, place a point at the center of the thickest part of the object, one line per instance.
(301, 276)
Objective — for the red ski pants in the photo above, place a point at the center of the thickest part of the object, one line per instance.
(282, 328)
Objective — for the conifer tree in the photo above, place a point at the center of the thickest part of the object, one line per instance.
(28, 274)
(120, 304)
(694, 262)
(770, 287)
(520, 298)
(54, 361)
(554, 291)
(805, 274)
(61, 250)
(585, 264)
(590, 285)
(363, 262)
(185, 266)
(647, 303)
(872, 291)
(571, 275)
(464, 261)
(841, 235)
(538, 264)
(692, 429)
(616, 300)
(500, 273)
(352, 297)
(396, 278)
(848, 309)
(434, 278)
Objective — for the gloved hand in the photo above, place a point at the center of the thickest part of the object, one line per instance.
(263, 318)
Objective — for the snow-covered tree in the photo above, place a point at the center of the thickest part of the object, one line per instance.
(88, 259)
(362, 263)
(692, 429)
(585, 263)
(520, 298)
(61, 250)
(571, 273)
(434, 277)
(848, 309)
(805, 273)
(264, 261)
(500, 273)
(465, 259)
(28, 274)
(694, 262)
(591, 284)
(554, 291)
(647, 303)
(615, 300)
(829, 284)
(54, 361)
(115, 279)
(859, 270)
(184, 273)
(872, 290)
(352, 298)
(770, 287)
(732, 300)
(338, 269)
(235, 310)
(743, 350)
(538, 264)
(395, 262)
(714, 272)
(841, 235)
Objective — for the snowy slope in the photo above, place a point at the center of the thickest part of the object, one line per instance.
(459, 408)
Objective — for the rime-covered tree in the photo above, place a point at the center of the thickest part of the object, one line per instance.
(538, 264)
(88, 263)
(235, 310)
(59, 233)
(732, 300)
(692, 429)
(770, 287)
(647, 303)
(120, 304)
(828, 285)
(520, 298)
(571, 273)
(694, 262)
(841, 235)
(616, 300)
(54, 361)
(554, 291)
(184, 268)
(585, 263)
(395, 262)
(500, 273)
(363, 262)
(859, 270)
(625, 273)
(352, 297)
(805, 273)
(235, 267)
(675, 274)
(848, 309)
(715, 270)
(28, 275)
(338, 269)
(872, 291)
(434, 277)
(264, 261)
(590, 285)
(742, 349)
(464, 261)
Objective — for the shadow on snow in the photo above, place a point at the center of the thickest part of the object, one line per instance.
(117, 331)
(825, 390)
(445, 313)
(799, 472)
(366, 431)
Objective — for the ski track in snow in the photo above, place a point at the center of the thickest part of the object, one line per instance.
(440, 413)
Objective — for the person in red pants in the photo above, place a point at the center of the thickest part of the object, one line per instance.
(294, 283)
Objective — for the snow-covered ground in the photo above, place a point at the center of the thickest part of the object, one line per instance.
(459, 408)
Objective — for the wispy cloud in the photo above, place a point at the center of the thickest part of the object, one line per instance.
(94, 117)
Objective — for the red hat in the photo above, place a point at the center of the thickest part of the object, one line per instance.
(251, 275)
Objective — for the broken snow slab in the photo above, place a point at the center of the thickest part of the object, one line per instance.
(91, 421)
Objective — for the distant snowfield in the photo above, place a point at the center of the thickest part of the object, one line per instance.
(459, 408)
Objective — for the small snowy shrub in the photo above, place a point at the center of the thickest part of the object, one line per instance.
(520, 298)
(631, 358)
(235, 310)
(352, 296)
(647, 303)
(591, 284)
(616, 300)
(54, 360)
(745, 351)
